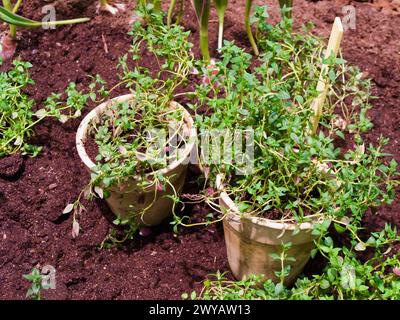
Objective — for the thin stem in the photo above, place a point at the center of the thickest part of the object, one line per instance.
(157, 6)
(180, 12)
(288, 4)
(221, 6)
(17, 5)
(64, 22)
(13, 29)
(248, 26)
(170, 12)
(220, 32)
(204, 43)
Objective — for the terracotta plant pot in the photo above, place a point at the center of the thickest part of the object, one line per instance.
(129, 198)
(250, 241)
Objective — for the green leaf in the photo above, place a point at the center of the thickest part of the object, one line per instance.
(339, 228)
(275, 256)
(324, 284)
(184, 296)
(279, 289)
(360, 247)
(284, 95)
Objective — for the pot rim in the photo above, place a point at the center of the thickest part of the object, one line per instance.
(81, 135)
(236, 215)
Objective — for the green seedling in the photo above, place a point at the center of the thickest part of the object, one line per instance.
(221, 6)
(35, 291)
(202, 9)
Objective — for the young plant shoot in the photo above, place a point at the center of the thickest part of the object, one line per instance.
(202, 9)
(171, 12)
(248, 26)
(221, 8)
(17, 120)
(157, 6)
(286, 8)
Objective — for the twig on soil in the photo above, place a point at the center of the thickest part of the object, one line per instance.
(105, 46)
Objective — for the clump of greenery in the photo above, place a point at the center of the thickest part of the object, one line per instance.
(297, 175)
(35, 291)
(301, 177)
(345, 276)
(17, 119)
(220, 6)
(125, 144)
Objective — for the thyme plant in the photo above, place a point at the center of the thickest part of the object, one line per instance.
(298, 177)
(35, 291)
(346, 276)
(125, 150)
(17, 119)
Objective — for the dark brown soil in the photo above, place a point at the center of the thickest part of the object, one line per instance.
(161, 265)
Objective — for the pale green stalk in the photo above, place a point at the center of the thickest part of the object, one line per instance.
(202, 8)
(287, 4)
(157, 6)
(221, 6)
(170, 12)
(248, 26)
(13, 29)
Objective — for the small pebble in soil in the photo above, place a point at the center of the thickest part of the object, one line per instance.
(52, 186)
(145, 232)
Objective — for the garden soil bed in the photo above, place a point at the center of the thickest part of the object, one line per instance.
(34, 191)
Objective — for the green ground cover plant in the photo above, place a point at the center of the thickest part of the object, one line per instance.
(17, 119)
(35, 291)
(346, 276)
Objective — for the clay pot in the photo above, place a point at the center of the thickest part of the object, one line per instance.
(250, 241)
(130, 198)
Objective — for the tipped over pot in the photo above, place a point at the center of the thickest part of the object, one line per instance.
(252, 241)
(131, 197)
